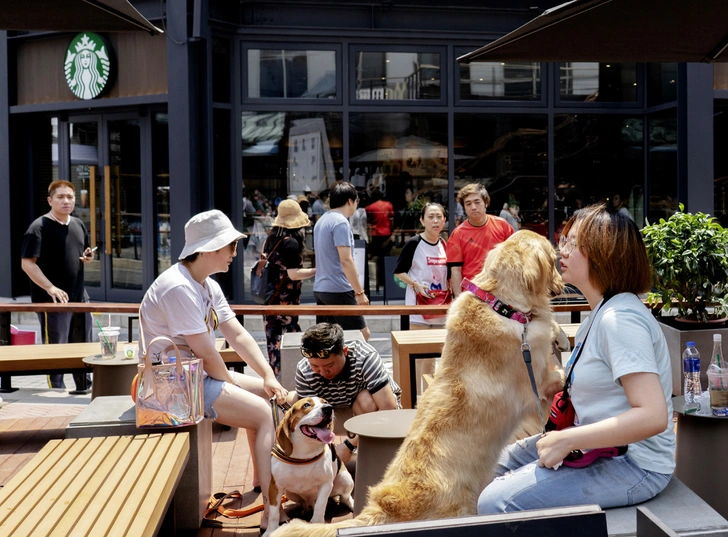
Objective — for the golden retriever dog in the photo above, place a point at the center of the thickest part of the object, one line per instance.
(304, 465)
(480, 394)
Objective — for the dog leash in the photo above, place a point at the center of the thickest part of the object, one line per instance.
(526, 351)
(509, 312)
(274, 410)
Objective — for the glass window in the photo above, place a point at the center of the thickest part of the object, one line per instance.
(507, 154)
(398, 162)
(160, 171)
(599, 158)
(54, 149)
(662, 165)
(399, 76)
(720, 159)
(661, 83)
(500, 81)
(598, 82)
(291, 74)
(285, 154)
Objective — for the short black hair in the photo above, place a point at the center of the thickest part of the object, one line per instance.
(341, 194)
(324, 336)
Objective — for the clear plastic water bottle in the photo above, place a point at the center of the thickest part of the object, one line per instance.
(718, 379)
(691, 372)
(172, 362)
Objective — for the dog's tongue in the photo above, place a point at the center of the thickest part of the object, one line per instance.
(324, 434)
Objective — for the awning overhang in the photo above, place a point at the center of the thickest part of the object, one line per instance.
(73, 16)
(617, 31)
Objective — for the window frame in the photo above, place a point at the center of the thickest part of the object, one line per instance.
(640, 76)
(355, 48)
(506, 103)
(245, 46)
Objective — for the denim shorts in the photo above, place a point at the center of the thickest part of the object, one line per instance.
(212, 388)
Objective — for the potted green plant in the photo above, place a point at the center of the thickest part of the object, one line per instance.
(689, 257)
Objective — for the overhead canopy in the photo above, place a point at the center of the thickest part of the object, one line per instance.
(73, 16)
(617, 31)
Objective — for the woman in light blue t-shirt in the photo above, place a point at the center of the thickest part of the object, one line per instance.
(620, 386)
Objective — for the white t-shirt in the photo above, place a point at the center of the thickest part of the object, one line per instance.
(625, 338)
(175, 305)
(426, 263)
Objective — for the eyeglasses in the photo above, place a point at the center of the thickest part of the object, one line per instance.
(323, 353)
(567, 245)
(234, 244)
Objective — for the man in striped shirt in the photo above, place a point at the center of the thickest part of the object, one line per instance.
(350, 375)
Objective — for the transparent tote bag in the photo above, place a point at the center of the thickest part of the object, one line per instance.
(168, 394)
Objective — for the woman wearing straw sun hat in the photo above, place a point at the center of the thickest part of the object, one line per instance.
(284, 247)
(186, 305)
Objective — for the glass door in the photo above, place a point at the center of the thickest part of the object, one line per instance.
(123, 206)
(107, 164)
(84, 164)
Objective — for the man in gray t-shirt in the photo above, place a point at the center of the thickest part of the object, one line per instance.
(337, 280)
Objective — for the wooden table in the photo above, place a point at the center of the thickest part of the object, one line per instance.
(410, 345)
(116, 485)
(112, 376)
(380, 436)
(65, 357)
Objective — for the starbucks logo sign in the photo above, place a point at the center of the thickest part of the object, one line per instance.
(87, 65)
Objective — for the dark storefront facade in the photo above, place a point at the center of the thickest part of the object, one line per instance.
(238, 106)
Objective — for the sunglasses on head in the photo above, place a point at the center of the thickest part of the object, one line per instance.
(322, 353)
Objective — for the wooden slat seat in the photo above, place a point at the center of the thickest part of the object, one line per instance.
(116, 485)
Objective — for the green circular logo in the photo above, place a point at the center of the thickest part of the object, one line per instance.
(87, 65)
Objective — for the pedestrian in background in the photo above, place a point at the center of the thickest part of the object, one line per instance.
(337, 279)
(471, 241)
(55, 249)
(284, 249)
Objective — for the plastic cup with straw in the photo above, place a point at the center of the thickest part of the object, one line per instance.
(103, 337)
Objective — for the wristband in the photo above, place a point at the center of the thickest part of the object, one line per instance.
(351, 446)
(360, 293)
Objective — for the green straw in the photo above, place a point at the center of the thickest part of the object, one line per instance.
(101, 335)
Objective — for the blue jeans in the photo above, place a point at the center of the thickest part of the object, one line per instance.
(521, 484)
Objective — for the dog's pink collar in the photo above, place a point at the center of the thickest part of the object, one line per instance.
(498, 306)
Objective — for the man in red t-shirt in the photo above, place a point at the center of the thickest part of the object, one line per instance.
(471, 241)
(380, 215)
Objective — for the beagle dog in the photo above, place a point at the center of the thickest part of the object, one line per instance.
(304, 464)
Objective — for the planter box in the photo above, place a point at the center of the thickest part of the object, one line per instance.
(677, 338)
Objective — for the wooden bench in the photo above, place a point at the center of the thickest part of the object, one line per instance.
(117, 485)
(675, 511)
(581, 521)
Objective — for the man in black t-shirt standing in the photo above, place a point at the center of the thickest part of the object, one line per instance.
(55, 249)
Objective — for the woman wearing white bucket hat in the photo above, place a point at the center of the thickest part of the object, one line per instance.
(185, 304)
(285, 268)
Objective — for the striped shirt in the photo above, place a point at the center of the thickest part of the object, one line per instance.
(364, 370)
